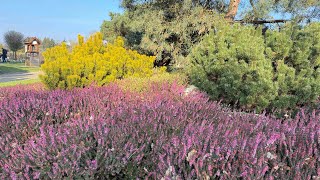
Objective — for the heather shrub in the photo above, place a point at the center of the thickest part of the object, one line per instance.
(108, 133)
(92, 62)
(278, 72)
(7, 92)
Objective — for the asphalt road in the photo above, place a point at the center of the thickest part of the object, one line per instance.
(18, 76)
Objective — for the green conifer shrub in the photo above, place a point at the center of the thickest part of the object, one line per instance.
(295, 53)
(241, 67)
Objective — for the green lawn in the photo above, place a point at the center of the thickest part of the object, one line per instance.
(7, 68)
(21, 82)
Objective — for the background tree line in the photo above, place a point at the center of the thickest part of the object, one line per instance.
(169, 28)
(14, 41)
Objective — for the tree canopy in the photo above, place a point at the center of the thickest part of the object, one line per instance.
(155, 32)
(47, 43)
(168, 29)
(14, 41)
(248, 9)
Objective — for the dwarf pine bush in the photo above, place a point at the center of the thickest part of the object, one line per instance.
(278, 72)
(92, 62)
(295, 53)
(230, 65)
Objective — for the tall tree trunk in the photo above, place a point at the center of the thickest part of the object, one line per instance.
(232, 10)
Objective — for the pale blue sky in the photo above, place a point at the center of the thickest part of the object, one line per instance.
(57, 19)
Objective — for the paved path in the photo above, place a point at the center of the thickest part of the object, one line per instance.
(18, 76)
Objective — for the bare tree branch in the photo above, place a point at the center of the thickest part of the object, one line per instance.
(261, 21)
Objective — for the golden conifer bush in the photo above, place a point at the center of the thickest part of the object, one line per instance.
(92, 61)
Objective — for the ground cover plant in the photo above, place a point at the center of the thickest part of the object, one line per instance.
(107, 132)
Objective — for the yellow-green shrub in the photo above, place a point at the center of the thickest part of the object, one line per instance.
(144, 84)
(92, 62)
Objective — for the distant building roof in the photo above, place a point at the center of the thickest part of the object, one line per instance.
(30, 40)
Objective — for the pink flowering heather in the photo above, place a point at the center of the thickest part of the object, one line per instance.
(106, 133)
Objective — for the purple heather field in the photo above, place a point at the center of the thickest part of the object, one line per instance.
(109, 133)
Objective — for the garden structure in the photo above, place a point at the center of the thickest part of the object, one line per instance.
(32, 51)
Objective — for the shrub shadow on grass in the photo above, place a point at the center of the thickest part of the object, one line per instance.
(9, 70)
